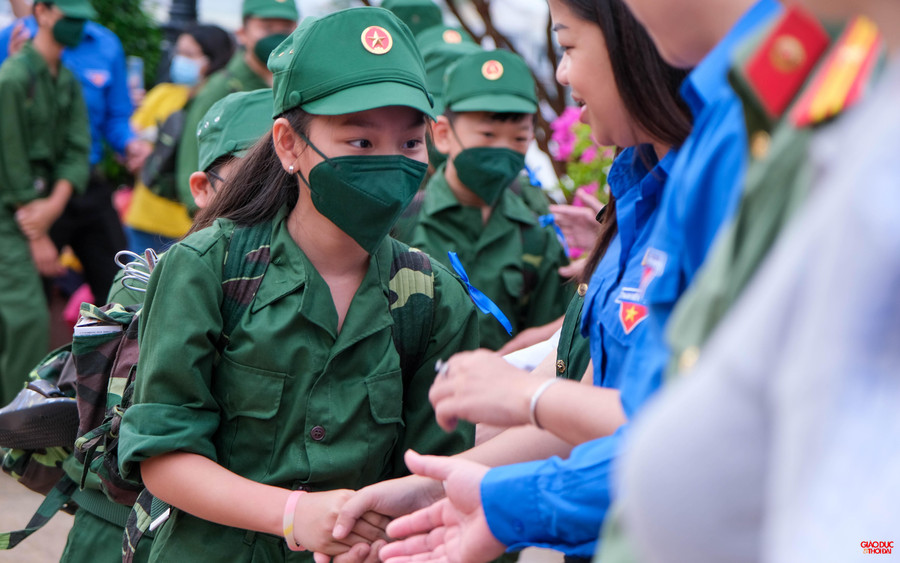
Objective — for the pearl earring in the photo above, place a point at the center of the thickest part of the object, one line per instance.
(291, 169)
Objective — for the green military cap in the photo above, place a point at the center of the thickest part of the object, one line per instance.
(281, 9)
(419, 15)
(233, 125)
(441, 46)
(442, 35)
(348, 61)
(496, 81)
(80, 9)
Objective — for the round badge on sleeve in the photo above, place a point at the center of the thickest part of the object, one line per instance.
(492, 70)
(377, 40)
(452, 36)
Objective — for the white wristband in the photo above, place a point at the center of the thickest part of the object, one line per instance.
(534, 400)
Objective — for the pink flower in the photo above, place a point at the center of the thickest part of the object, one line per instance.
(589, 154)
(563, 137)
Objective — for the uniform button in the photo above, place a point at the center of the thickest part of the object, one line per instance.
(759, 145)
(582, 289)
(560, 366)
(688, 358)
(317, 433)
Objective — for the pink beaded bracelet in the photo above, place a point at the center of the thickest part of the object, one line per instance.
(288, 523)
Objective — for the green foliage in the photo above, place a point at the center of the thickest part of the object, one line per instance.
(139, 34)
(141, 37)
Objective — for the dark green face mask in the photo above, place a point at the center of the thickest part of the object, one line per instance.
(266, 45)
(364, 195)
(68, 31)
(487, 171)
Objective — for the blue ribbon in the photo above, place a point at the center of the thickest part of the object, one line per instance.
(532, 177)
(548, 221)
(482, 301)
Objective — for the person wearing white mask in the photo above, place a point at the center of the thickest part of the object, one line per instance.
(155, 218)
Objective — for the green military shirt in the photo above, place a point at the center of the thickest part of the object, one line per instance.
(235, 77)
(44, 131)
(511, 258)
(573, 352)
(291, 402)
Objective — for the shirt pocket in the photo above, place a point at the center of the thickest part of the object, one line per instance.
(386, 397)
(513, 283)
(250, 399)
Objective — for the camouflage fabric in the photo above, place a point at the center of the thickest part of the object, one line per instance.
(105, 358)
(56, 500)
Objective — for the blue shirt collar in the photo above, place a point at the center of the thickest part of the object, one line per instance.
(708, 80)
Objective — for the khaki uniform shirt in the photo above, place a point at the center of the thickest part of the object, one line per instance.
(523, 282)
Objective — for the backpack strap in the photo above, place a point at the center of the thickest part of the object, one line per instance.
(245, 265)
(55, 501)
(411, 288)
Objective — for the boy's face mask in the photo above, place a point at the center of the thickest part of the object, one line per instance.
(487, 171)
(364, 195)
(68, 31)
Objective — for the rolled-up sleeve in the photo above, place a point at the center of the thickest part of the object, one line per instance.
(174, 408)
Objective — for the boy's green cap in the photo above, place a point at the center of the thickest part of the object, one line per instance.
(233, 125)
(80, 9)
(281, 9)
(437, 35)
(348, 61)
(419, 15)
(438, 57)
(495, 81)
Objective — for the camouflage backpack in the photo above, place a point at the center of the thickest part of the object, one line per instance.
(104, 357)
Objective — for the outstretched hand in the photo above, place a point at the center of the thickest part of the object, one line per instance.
(453, 530)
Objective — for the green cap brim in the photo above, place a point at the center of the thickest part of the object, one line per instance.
(503, 103)
(274, 12)
(371, 96)
(83, 12)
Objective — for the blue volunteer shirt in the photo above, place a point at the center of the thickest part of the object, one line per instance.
(529, 504)
(704, 188)
(561, 504)
(99, 63)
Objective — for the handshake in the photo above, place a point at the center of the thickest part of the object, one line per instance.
(433, 515)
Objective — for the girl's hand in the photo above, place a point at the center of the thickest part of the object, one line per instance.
(482, 387)
(316, 514)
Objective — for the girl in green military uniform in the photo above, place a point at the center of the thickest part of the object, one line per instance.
(311, 391)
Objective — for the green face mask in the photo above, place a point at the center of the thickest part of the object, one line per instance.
(487, 171)
(266, 45)
(364, 195)
(68, 31)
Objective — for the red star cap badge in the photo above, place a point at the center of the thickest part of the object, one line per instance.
(377, 40)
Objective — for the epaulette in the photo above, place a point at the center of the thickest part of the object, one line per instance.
(780, 65)
(843, 77)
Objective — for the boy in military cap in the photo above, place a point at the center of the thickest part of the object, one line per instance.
(419, 15)
(43, 160)
(486, 128)
(266, 23)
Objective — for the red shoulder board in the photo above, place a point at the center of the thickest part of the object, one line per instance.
(844, 75)
(781, 64)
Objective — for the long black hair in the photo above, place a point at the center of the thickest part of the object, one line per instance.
(647, 85)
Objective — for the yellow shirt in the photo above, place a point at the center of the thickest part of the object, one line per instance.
(149, 212)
